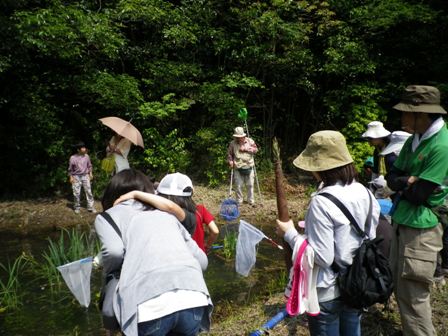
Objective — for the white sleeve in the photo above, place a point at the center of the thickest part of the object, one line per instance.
(320, 231)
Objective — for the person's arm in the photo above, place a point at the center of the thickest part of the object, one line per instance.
(123, 147)
(213, 233)
(70, 170)
(250, 146)
(156, 201)
(419, 190)
(396, 179)
(287, 231)
(112, 248)
(89, 167)
(209, 221)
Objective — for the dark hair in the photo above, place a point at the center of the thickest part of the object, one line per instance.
(125, 181)
(345, 174)
(79, 145)
(185, 202)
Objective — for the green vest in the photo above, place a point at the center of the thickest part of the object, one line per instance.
(429, 162)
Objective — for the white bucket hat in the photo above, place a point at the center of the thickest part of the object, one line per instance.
(175, 184)
(239, 132)
(324, 150)
(375, 130)
(397, 140)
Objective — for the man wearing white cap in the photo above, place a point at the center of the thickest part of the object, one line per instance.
(240, 157)
(420, 175)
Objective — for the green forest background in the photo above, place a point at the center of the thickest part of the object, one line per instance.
(181, 70)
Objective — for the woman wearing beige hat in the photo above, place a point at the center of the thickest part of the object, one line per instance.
(328, 230)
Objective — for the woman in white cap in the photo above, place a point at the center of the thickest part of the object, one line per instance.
(178, 188)
(329, 231)
(161, 289)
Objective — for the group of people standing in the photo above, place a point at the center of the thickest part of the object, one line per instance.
(161, 256)
(417, 176)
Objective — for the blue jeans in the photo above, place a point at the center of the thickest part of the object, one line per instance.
(183, 323)
(335, 319)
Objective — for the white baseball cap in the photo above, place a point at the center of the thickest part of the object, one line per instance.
(375, 130)
(175, 184)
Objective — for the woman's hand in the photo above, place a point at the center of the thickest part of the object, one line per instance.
(282, 227)
(125, 197)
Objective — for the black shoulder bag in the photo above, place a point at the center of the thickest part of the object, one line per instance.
(368, 279)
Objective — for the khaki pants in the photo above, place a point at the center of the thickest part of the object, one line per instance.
(248, 181)
(413, 258)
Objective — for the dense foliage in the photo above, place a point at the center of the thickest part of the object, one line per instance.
(181, 70)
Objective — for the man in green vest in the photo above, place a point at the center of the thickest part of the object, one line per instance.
(420, 176)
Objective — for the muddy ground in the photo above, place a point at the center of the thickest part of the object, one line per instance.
(44, 214)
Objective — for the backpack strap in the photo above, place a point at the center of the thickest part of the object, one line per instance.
(347, 214)
(114, 274)
(108, 217)
(334, 266)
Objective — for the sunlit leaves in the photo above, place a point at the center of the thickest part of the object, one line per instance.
(165, 152)
(117, 92)
(165, 108)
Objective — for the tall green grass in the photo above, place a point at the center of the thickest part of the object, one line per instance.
(229, 243)
(71, 245)
(10, 285)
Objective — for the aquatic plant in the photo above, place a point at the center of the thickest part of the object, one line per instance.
(229, 243)
(71, 245)
(277, 282)
(9, 287)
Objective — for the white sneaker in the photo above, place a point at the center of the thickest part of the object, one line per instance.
(77, 211)
(93, 210)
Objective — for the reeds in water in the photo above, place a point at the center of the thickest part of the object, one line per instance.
(71, 245)
(10, 284)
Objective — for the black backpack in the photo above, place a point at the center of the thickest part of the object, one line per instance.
(368, 279)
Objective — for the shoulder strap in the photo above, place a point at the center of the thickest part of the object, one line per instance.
(108, 217)
(347, 213)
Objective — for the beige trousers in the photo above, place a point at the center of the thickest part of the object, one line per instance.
(248, 181)
(413, 260)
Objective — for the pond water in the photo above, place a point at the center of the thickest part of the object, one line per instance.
(58, 313)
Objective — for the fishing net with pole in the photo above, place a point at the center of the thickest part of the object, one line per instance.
(229, 207)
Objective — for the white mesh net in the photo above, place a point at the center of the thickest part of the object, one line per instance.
(248, 238)
(77, 277)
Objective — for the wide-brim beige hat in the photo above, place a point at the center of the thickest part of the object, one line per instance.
(239, 132)
(324, 150)
(420, 98)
